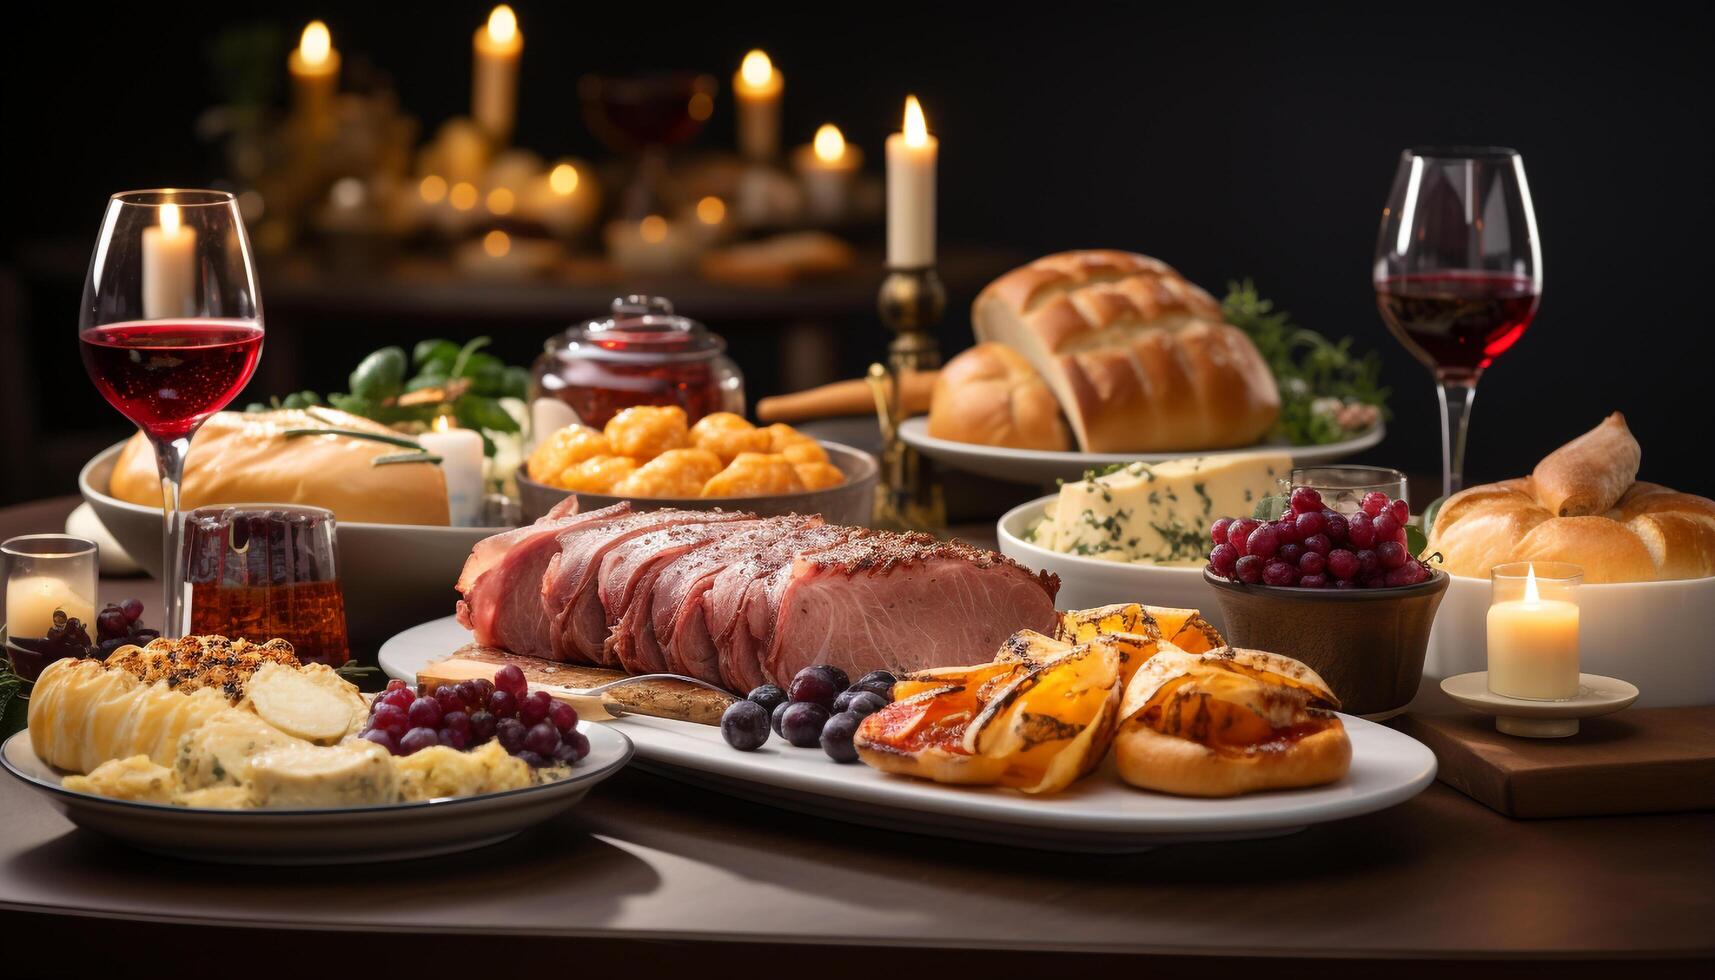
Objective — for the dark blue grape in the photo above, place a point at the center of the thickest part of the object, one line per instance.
(801, 723)
(770, 696)
(744, 725)
(836, 737)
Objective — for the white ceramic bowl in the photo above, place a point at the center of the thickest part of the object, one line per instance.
(392, 575)
(1653, 634)
(1087, 582)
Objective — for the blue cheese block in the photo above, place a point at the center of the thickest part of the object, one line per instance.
(1159, 513)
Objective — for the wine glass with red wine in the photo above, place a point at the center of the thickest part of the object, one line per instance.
(171, 330)
(1458, 272)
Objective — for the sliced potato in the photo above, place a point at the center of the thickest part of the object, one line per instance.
(311, 702)
(923, 736)
(1172, 663)
(972, 678)
(1054, 724)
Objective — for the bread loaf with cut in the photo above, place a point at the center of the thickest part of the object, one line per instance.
(1580, 506)
(990, 395)
(1139, 358)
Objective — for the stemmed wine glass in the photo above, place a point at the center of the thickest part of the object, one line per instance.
(1458, 272)
(171, 330)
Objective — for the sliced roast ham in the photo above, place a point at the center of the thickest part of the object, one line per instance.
(627, 587)
(502, 604)
(729, 600)
(569, 587)
(900, 601)
(677, 625)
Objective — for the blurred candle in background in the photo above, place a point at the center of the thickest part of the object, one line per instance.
(911, 192)
(757, 87)
(826, 167)
(169, 267)
(314, 67)
(461, 460)
(494, 75)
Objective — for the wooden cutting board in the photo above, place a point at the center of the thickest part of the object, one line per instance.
(1651, 760)
(660, 699)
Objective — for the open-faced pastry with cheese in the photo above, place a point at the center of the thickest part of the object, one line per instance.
(1228, 722)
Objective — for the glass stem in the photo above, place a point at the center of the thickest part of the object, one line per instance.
(1456, 399)
(170, 460)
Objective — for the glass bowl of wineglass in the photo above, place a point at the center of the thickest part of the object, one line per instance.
(171, 330)
(644, 116)
(1458, 272)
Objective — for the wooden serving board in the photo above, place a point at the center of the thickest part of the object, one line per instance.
(661, 699)
(1652, 760)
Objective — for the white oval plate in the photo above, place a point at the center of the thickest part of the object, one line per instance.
(342, 835)
(1086, 583)
(1098, 814)
(1044, 467)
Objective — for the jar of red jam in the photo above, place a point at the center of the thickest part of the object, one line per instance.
(642, 353)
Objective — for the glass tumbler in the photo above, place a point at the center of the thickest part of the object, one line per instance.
(260, 571)
(47, 576)
(1343, 487)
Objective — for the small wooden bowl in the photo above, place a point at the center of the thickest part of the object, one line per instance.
(1368, 644)
(849, 503)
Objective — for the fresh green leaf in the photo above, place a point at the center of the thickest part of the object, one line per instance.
(1271, 508)
(1430, 513)
(380, 376)
(465, 353)
(516, 383)
(487, 375)
(1415, 541)
(429, 353)
(477, 412)
(427, 379)
(389, 459)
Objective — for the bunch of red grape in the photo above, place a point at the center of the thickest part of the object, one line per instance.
(529, 725)
(1313, 547)
(120, 624)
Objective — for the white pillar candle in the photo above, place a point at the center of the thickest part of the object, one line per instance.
(461, 460)
(757, 86)
(314, 68)
(911, 192)
(494, 73)
(169, 267)
(1533, 646)
(31, 601)
(826, 166)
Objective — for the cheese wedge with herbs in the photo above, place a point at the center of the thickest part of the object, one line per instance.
(1158, 513)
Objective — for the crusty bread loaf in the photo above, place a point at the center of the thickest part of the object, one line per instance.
(246, 458)
(990, 395)
(1643, 533)
(1138, 357)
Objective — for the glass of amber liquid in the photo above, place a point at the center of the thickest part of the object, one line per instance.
(263, 571)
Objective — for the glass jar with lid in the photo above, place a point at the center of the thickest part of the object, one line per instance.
(641, 353)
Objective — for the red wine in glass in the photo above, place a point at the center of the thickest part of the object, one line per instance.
(169, 377)
(1457, 323)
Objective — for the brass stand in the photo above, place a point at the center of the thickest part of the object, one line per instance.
(907, 498)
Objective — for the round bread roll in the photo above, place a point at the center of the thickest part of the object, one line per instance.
(1138, 357)
(991, 396)
(1641, 532)
(246, 458)
(1168, 764)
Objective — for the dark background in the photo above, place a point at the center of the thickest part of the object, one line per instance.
(1230, 141)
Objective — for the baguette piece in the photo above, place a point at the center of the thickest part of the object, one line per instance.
(1139, 358)
(1589, 474)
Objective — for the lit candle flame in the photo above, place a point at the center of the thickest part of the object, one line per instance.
(443, 423)
(711, 210)
(1531, 595)
(497, 243)
(563, 180)
(170, 220)
(756, 69)
(502, 25)
(830, 145)
(653, 229)
(315, 44)
(916, 128)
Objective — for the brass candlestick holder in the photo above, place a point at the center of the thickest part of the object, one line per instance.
(907, 498)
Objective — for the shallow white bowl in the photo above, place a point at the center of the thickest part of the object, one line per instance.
(1088, 582)
(1654, 634)
(392, 575)
(1044, 467)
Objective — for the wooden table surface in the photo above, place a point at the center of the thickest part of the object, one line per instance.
(649, 872)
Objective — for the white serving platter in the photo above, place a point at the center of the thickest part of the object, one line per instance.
(1086, 583)
(1044, 467)
(1098, 814)
(341, 835)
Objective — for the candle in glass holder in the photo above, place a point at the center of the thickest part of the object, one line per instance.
(494, 74)
(314, 68)
(169, 266)
(826, 166)
(911, 156)
(45, 573)
(1533, 630)
(461, 460)
(757, 86)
